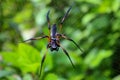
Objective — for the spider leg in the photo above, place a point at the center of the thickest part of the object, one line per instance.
(42, 61)
(64, 17)
(65, 37)
(48, 21)
(37, 38)
(66, 54)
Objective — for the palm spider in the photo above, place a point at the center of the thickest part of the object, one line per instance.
(54, 39)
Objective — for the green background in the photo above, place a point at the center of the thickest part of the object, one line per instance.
(93, 24)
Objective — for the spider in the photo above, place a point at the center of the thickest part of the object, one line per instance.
(54, 39)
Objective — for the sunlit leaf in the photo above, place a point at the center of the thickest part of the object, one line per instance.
(28, 57)
(100, 57)
(51, 77)
(116, 77)
(27, 77)
(94, 58)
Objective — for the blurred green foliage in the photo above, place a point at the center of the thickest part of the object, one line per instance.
(93, 24)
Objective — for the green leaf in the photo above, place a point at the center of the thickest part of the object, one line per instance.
(102, 54)
(4, 73)
(27, 77)
(95, 57)
(10, 58)
(26, 58)
(51, 76)
(87, 18)
(116, 77)
(29, 58)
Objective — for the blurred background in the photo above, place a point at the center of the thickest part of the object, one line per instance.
(93, 24)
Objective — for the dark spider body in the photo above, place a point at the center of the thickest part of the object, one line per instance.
(54, 40)
(53, 45)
